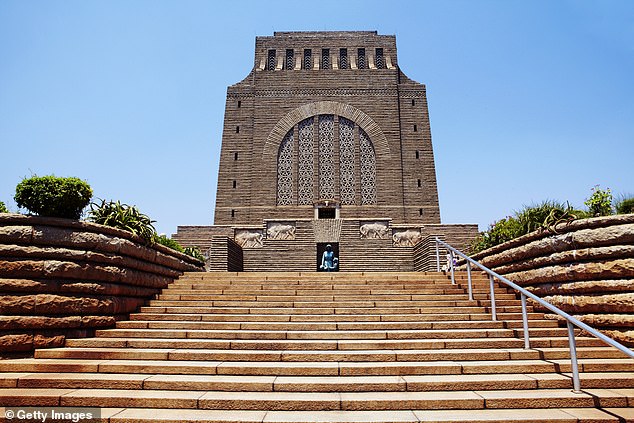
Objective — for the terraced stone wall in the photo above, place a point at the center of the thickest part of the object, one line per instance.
(586, 269)
(62, 278)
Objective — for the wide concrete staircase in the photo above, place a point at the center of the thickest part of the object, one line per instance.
(336, 347)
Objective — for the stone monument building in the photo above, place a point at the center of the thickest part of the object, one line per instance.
(326, 141)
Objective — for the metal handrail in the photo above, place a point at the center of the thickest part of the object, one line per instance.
(570, 321)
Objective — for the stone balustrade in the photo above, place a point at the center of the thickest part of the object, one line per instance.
(63, 278)
(585, 269)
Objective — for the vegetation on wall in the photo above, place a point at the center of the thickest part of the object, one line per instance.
(547, 215)
(194, 252)
(625, 204)
(129, 218)
(168, 242)
(600, 202)
(174, 245)
(53, 196)
(123, 216)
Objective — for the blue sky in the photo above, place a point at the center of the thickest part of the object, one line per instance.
(528, 100)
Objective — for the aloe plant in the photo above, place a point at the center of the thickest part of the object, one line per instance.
(123, 216)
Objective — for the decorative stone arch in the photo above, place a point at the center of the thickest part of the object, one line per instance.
(365, 122)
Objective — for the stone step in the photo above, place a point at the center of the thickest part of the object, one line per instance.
(340, 352)
(332, 326)
(334, 310)
(193, 301)
(331, 290)
(534, 415)
(160, 313)
(336, 319)
(442, 299)
(247, 334)
(318, 401)
(306, 380)
(459, 293)
(436, 362)
(308, 326)
(306, 345)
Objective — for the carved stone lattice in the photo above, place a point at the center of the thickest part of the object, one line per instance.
(346, 160)
(285, 171)
(368, 169)
(326, 157)
(306, 163)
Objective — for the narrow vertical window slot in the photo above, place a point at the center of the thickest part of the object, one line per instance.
(308, 59)
(343, 58)
(325, 58)
(270, 63)
(290, 59)
(379, 60)
(361, 63)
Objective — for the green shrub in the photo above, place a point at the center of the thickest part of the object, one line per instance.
(195, 253)
(125, 217)
(625, 205)
(168, 242)
(53, 197)
(546, 215)
(174, 245)
(542, 215)
(501, 231)
(600, 202)
(3, 208)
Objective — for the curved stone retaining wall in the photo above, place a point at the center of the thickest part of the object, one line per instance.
(62, 278)
(586, 269)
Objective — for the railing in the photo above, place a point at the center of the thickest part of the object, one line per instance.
(571, 322)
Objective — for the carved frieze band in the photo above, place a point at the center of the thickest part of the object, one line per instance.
(329, 93)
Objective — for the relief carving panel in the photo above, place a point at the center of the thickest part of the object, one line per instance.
(374, 230)
(249, 238)
(280, 230)
(406, 237)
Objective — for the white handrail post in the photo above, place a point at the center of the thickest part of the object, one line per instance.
(453, 276)
(437, 256)
(576, 383)
(492, 286)
(527, 342)
(469, 280)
